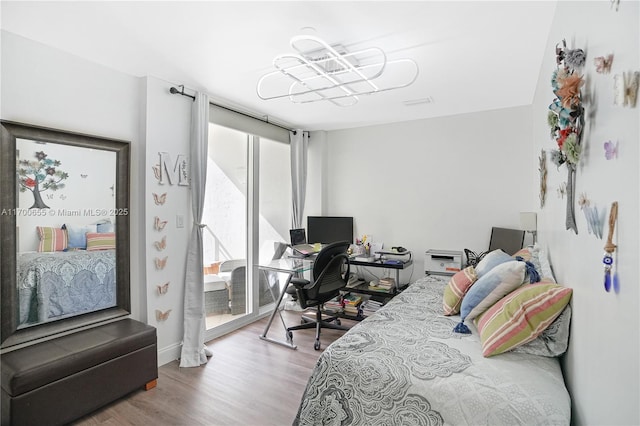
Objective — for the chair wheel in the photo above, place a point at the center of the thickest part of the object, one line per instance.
(338, 321)
(289, 336)
(316, 345)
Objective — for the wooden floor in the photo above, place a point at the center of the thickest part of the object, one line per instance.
(248, 381)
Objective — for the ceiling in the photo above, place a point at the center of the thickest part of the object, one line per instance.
(472, 55)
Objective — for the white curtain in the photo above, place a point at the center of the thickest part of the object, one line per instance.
(194, 352)
(299, 143)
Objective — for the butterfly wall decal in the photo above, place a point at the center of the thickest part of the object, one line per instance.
(164, 288)
(603, 63)
(83, 176)
(562, 189)
(161, 245)
(159, 199)
(162, 316)
(625, 88)
(160, 263)
(157, 172)
(610, 150)
(159, 224)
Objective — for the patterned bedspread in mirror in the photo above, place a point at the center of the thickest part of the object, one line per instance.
(61, 284)
(405, 365)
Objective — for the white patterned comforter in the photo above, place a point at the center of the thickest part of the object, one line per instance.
(404, 365)
(61, 284)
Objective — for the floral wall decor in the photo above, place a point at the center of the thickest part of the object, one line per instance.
(566, 119)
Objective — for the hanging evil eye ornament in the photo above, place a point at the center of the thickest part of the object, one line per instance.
(609, 248)
(608, 261)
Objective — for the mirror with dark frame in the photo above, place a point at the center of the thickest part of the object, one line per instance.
(64, 231)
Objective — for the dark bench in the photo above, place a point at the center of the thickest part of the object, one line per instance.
(63, 379)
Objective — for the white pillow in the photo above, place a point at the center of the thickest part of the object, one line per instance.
(540, 260)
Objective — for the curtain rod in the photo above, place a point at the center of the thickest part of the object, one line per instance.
(175, 91)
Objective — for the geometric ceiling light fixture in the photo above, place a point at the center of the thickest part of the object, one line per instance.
(320, 72)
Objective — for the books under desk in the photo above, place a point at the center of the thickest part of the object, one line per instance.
(358, 302)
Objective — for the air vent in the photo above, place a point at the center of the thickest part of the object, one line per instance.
(328, 62)
(421, 101)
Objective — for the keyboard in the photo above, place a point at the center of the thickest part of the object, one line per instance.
(305, 249)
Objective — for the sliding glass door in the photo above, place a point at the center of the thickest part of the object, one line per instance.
(247, 210)
(225, 213)
(274, 210)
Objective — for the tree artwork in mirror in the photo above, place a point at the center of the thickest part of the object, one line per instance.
(64, 228)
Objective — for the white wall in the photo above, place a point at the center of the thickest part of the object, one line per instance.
(601, 366)
(167, 126)
(47, 87)
(432, 184)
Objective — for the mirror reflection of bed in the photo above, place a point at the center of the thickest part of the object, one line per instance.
(66, 262)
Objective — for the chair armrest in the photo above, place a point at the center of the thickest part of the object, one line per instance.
(299, 282)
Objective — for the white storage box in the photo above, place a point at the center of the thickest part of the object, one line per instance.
(442, 262)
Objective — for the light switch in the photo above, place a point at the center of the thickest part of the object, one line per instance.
(179, 221)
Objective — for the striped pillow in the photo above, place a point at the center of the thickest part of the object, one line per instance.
(521, 316)
(51, 239)
(456, 289)
(101, 241)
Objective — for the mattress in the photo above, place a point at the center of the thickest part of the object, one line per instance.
(405, 365)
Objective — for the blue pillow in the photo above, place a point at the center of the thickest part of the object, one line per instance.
(77, 235)
(106, 227)
(493, 286)
(490, 261)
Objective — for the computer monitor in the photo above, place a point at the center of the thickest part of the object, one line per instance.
(508, 240)
(329, 229)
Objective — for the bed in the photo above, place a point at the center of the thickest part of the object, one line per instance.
(406, 365)
(55, 285)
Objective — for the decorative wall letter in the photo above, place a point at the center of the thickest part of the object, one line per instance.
(178, 174)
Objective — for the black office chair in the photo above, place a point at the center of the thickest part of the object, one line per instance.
(328, 280)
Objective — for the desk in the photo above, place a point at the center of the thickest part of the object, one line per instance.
(381, 264)
(290, 266)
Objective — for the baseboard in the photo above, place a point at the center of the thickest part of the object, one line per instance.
(168, 354)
